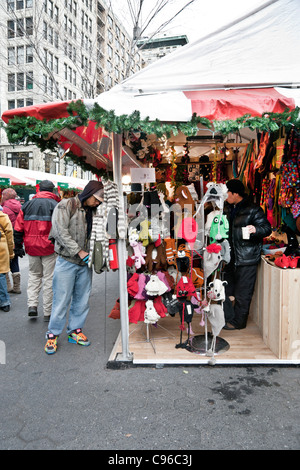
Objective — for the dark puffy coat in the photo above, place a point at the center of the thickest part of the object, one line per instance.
(33, 224)
(246, 252)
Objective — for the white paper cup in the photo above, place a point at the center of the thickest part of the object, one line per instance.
(246, 233)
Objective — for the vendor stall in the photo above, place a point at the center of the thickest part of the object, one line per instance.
(245, 125)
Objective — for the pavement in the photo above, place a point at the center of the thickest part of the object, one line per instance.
(74, 401)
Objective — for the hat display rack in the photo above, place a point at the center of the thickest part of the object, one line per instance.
(214, 251)
(169, 267)
(147, 264)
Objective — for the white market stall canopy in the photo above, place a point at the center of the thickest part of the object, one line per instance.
(19, 176)
(250, 65)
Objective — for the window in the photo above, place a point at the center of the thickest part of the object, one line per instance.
(11, 56)
(29, 81)
(56, 64)
(56, 14)
(29, 102)
(11, 104)
(10, 29)
(20, 81)
(29, 26)
(45, 30)
(20, 160)
(56, 42)
(20, 55)
(45, 83)
(50, 35)
(11, 80)
(51, 86)
(20, 27)
(50, 61)
(20, 4)
(50, 9)
(29, 54)
(20, 103)
(10, 5)
(29, 3)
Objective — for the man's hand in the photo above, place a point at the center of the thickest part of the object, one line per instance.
(84, 256)
(251, 228)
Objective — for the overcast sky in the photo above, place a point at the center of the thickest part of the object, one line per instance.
(199, 19)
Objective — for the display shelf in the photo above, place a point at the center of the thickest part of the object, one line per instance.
(246, 346)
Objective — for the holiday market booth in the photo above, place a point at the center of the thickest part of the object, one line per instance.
(172, 234)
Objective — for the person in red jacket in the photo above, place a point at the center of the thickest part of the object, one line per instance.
(32, 228)
(12, 206)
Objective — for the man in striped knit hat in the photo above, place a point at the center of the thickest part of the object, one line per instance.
(72, 281)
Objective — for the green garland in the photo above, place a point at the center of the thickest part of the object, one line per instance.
(32, 131)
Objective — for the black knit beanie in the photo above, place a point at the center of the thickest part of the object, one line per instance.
(236, 186)
(46, 185)
(91, 188)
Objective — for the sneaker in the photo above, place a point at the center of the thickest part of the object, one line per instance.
(6, 308)
(32, 311)
(51, 345)
(78, 337)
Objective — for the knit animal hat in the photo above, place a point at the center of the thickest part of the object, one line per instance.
(211, 258)
(183, 197)
(188, 230)
(185, 287)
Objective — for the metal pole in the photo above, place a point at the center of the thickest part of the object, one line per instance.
(117, 171)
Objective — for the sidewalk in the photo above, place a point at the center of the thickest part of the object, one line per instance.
(72, 401)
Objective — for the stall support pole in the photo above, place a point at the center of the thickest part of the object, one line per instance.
(117, 171)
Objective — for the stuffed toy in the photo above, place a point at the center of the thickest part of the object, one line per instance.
(150, 316)
(211, 258)
(139, 255)
(183, 259)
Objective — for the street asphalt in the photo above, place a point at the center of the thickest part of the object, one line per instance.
(74, 401)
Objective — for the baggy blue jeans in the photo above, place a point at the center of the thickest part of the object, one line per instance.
(71, 288)
(4, 296)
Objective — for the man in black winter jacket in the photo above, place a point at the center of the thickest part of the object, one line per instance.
(240, 273)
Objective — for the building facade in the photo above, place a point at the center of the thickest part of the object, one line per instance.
(154, 49)
(56, 50)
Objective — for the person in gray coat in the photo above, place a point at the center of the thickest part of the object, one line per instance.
(72, 280)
